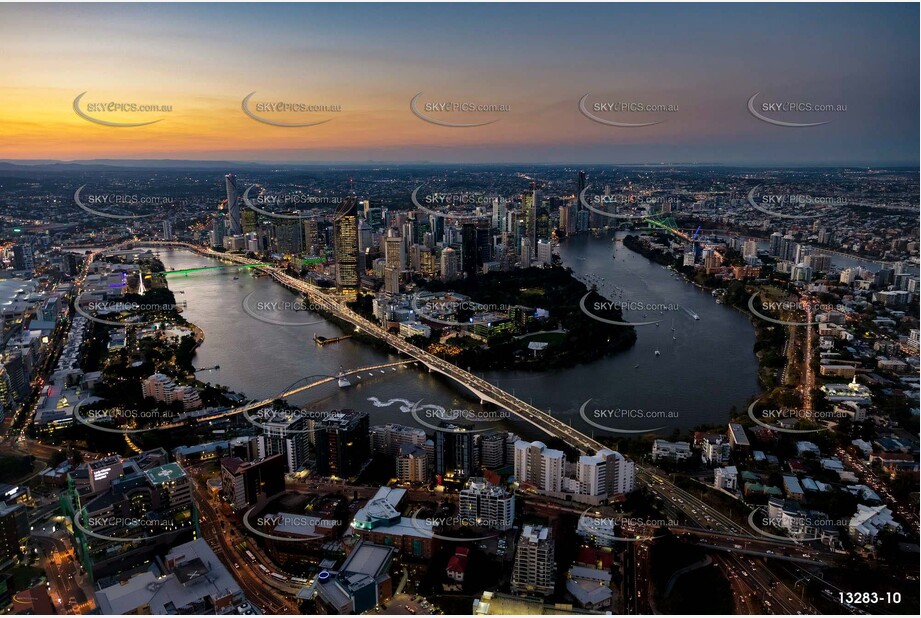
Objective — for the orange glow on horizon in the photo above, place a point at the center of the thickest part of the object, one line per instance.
(42, 124)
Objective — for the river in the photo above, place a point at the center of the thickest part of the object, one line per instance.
(707, 368)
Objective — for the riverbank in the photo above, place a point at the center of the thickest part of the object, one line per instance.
(261, 358)
(768, 337)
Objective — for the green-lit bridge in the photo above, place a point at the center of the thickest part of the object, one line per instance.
(186, 271)
(667, 223)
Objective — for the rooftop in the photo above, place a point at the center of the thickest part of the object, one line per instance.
(165, 473)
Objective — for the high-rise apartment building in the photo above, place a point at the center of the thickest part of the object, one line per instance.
(534, 571)
(389, 438)
(486, 505)
(244, 482)
(544, 253)
(449, 264)
(750, 248)
(345, 244)
(412, 464)
(468, 249)
(286, 434)
(233, 205)
(537, 465)
(605, 474)
(776, 240)
(493, 449)
(342, 443)
(23, 257)
(455, 452)
(530, 206)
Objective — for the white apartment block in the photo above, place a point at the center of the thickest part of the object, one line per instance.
(540, 466)
(663, 449)
(486, 504)
(162, 388)
(726, 478)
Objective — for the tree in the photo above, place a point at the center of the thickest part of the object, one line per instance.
(57, 458)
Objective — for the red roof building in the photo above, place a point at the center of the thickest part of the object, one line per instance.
(457, 565)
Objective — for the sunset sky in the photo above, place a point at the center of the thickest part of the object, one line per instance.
(539, 60)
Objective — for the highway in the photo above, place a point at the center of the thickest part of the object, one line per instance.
(775, 595)
(480, 387)
(483, 389)
(808, 369)
(696, 510)
(258, 588)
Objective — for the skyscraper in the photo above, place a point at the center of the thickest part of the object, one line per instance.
(544, 253)
(468, 249)
(499, 210)
(250, 222)
(568, 219)
(788, 247)
(345, 244)
(312, 240)
(289, 237)
(23, 257)
(395, 252)
(285, 434)
(776, 240)
(233, 207)
(483, 242)
(365, 236)
(530, 204)
(218, 229)
(343, 443)
(449, 264)
(455, 452)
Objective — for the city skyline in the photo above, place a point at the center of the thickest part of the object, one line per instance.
(459, 309)
(733, 260)
(367, 63)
